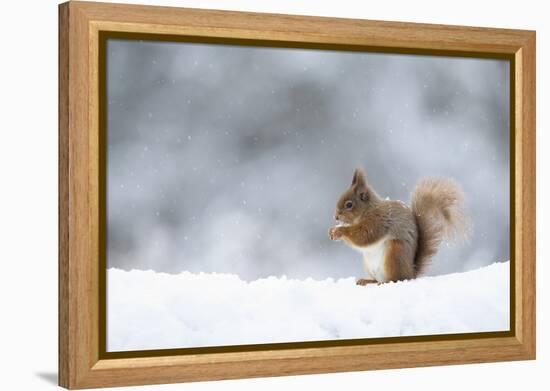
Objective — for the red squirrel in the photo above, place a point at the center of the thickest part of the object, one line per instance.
(397, 241)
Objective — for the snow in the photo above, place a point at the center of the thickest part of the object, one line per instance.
(150, 310)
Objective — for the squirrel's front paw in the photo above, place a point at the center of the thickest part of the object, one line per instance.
(335, 233)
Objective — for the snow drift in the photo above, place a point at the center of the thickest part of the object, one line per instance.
(149, 310)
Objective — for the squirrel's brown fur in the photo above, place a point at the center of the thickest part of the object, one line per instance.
(397, 241)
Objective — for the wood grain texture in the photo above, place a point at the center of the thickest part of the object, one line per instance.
(63, 222)
(78, 302)
(526, 211)
(79, 198)
(415, 36)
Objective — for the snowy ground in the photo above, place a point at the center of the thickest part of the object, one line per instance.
(148, 310)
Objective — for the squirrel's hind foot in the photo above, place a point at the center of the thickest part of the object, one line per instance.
(364, 281)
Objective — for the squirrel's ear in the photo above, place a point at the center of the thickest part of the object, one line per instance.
(359, 179)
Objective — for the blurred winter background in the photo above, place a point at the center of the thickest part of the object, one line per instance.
(230, 159)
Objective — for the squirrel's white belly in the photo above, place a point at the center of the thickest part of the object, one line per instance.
(373, 259)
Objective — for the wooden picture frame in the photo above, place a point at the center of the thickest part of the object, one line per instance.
(83, 363)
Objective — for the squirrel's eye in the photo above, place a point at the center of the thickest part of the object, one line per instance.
(348, 205)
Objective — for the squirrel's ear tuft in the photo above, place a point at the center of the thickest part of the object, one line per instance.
(359, 178)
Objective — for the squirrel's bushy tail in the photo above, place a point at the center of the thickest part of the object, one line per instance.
(437, 207)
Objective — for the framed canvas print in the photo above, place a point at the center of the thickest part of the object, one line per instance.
(248, 195)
